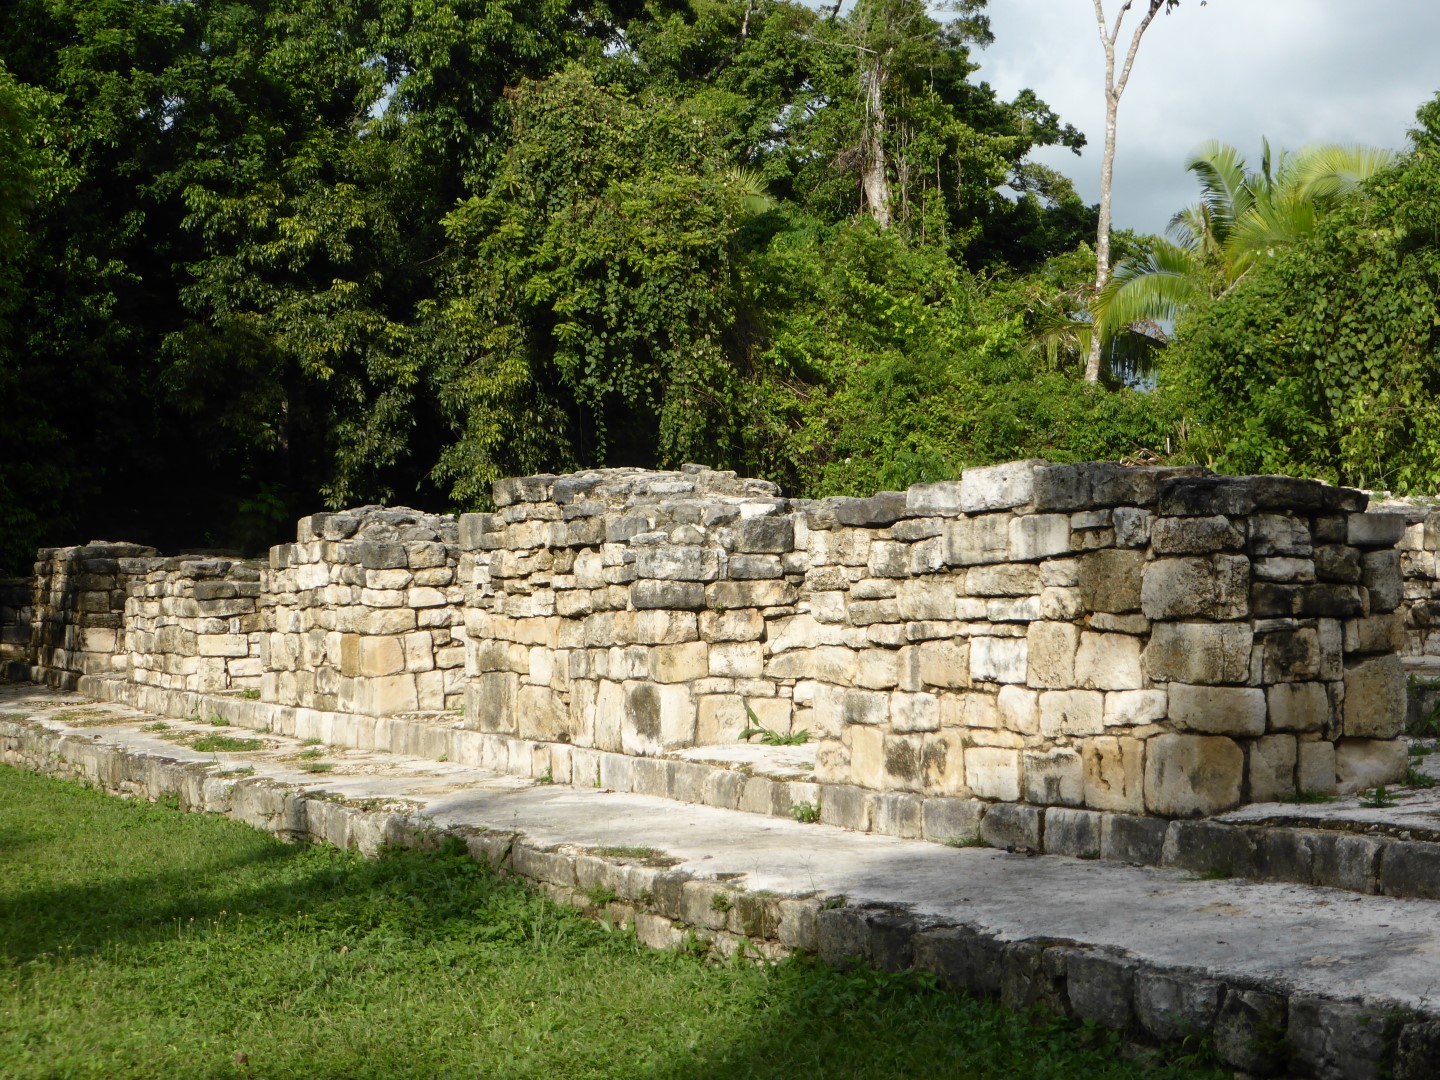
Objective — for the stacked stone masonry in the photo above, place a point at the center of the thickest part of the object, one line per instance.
(193, 623)
(16, 614)
(1419, 551)
(363, 614)
(78, 610)
(1158, 641)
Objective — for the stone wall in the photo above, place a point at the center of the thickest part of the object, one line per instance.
(193, 623)
(15, 619)
(363, 614)
(78, 610)
(1420, 570)
(1157, 641)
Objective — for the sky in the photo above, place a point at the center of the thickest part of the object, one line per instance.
(1297, 71)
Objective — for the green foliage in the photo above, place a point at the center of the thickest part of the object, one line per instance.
(1322, 360)
(184, 940)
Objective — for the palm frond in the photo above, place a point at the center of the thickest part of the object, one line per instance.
(1326, 173)
(1154, 288)
(1284, 217)
(1226, 190)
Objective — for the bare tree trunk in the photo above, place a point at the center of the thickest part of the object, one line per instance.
(874, 183)
(1113, 89)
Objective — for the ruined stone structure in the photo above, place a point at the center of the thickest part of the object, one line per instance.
(1418, 635)
(1073, 640)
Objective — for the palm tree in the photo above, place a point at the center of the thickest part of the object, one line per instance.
(1242, 217)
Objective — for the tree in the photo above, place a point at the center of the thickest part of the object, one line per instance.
(1242, 218)
(1114, 87)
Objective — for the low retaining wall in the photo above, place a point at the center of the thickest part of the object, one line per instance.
(363, 614)
(1419, 549)
(1160, 642)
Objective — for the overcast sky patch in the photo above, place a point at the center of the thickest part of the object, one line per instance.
(1298, 71)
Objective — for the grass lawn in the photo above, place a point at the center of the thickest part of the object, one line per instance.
(136, 940)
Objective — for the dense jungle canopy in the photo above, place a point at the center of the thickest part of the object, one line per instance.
(259, 256)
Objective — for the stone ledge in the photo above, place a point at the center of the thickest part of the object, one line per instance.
(1255, 1025)
(1366, 856)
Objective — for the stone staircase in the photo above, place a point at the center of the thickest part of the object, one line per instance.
(1302, 939)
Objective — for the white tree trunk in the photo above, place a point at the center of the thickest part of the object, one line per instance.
(874, 182)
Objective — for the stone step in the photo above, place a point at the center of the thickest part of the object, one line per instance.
(1282, 979)
(1391, 850)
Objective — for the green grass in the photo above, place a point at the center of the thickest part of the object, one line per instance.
(138, 941)
(225, 744)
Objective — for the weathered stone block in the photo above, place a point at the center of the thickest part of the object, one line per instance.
(1203, 496)
(1054, 778)
(1134, 708)
(940, 499)
(1114, 773)
(1196, 535)
(1248, 1029)
(1110, 580)
(1298, 706)
(1336, 1040)
(648, 594)
(996, 659)
(1109, 662)
(926, 598)
(1380, 574)
(1270, 768)
(1013, 827)
(1315, 767)
(1375, 698)
(1374, 530)
(1039, 536)
(1213, 587)
(998, 487)
(1192, 775)
(1018, 709)
(978, 540)
(1171, 1008)
(952, 820)
(1132, 838)
(1218, 710)
(1072, 713)
(993, 772)
(770, 534)
(942, 763)
(1010, 579)
(734, 625)
(1051, 649)
(1366, 763)
(678, 562)
(1202, 653)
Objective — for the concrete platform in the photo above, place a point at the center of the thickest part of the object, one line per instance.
(1286, 979)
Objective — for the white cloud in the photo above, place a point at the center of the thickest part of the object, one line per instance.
(1298, 71)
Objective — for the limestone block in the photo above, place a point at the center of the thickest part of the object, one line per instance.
(1375, 698)
(381, 656)
(1199, 652)
(1298, 706)
(1270, 768)
(877, 669)
(1039, 536)
(643, 628)
(1114, 773)
(945, 663)
(1060, 603)
(1380, 574)
(1374, 530)
(541, 714)
(888, 559)
(608, 715)
(1331, 635)
(656, 717)
(881, 509)
(1196, 535)
(1213, 587)
(389, 695)
(1376, 634)
(1132, 526)
(1366, 763)
(720, 720)
(1018, 609)
(749, 594)
(927, 556)
(1060, 573)
(387, 621)
(993, 772)
(678, 562)
(774, 713)
(1110, 580)
(1019, 710)
(1135, 708)
(679, 663)
(978, 540)
(1109, 662)
(1192, 775)
(1054, 777)
(1337, 562)
(998, 659)
(1051, 649)
(737, 659)
(833, 664)
(1284, 570)
(864, 708)
(998, 487)
(769, 534)
(1072, 712)
(941, 499)
(419, 651)
(911, 712)
(867, 756)
(926, 598)
(382, 598)
(1315, 767)
(1280, 534)
(1290, 655)
(649, 594)
(1008, 579)
(206, 644)
(902, 762)
(1218, 710)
